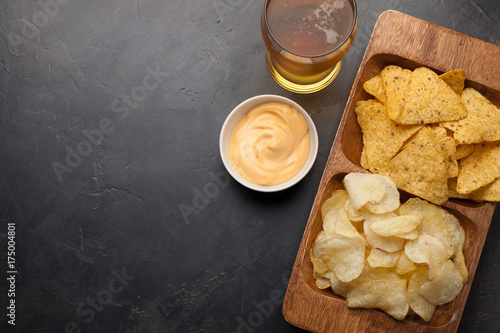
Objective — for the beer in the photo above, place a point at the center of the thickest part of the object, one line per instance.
(306, 40)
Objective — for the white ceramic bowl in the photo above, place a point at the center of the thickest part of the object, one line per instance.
(237, 114)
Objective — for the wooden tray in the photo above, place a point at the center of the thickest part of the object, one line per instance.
(409, 42)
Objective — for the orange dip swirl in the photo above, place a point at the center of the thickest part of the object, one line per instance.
(270, 145)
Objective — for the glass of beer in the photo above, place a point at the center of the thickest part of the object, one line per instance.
(306, 41)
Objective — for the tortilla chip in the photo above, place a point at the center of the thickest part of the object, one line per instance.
(479, 168)
(464, 151)
(455, 79)
(428, 99)
(382, 137)
(482, 122)
(420, 169)
(375, 87)
(490, 192)
(395, 80)
(448, 149)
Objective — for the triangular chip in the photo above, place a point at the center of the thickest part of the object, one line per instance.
(375, 87)
(455, 79)
(482, 122)
(382, 137)
(479, 168)
(464, 151)
(448, 149)
(490, 192)
(420, 169)
(428, 99)
(395, 80)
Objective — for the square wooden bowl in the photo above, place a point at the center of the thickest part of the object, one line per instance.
(403, 40)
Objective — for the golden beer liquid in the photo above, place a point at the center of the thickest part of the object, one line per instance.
(306, 41)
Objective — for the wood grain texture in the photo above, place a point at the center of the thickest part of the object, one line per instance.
(409, 42)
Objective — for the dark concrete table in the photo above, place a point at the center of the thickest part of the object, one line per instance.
(125, 219)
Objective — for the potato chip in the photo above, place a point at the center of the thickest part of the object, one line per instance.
(356, 215)
(387, 244)
(404, 265)
(428, 99)
(335, 201)
(455, 231)
(434, 221)
(428, 178)
(420, 305)
(482, 122)
(395, 81)
(455, 79)
(375, 87)
(337, 222)
(319, 265)
(445, 286)
(379, 258)
(397, 225)
(344, 256)
(387, 295)
(322, 282)
(375, 192)
(382, 137)
(459, 262)
(480, 168)
(427, 249)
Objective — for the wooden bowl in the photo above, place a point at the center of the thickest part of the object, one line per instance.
(397, 39)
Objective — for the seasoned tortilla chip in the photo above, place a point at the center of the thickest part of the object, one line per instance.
(482, 122)
(428, 99)
(455, 79)
(490, 192)
(464, 151)
(420, 169)
(479, 168)
(448, 149)
(375, 87)
(395, 79)
(382, 137)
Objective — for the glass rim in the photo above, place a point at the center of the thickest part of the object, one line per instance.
(268, 28)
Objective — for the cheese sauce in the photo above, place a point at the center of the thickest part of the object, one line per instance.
(270, 144)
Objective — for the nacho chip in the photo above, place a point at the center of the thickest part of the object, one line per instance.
(480, 168)
(490, 192)
(428, 99)
(420, 169)
(463, 151)
(395, 80)
(455, 79)
(382, 137)
(375, 87)
(482, 122)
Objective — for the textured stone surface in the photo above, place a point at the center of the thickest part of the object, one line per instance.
(138, 228)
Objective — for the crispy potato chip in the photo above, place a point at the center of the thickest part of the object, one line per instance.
(356, 215)
(319, 265)
(455, 231)
(427, 249)
(387, 295)
(428, 99)
(420, 305)
(479, 168)
(375, 87)
(387, 244)
(322, 282)
(344, 256)
(434, 221)
(459, 262)
(455, 79)
(463, 151)
(336, 222)
(379, 258)
(444, 287)
(482, 122)
(404, 265)
(382, 137)
(490, 192)
(397, 225)
(377, 193)
(395, 81)
(428, 178)
(335, 201)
